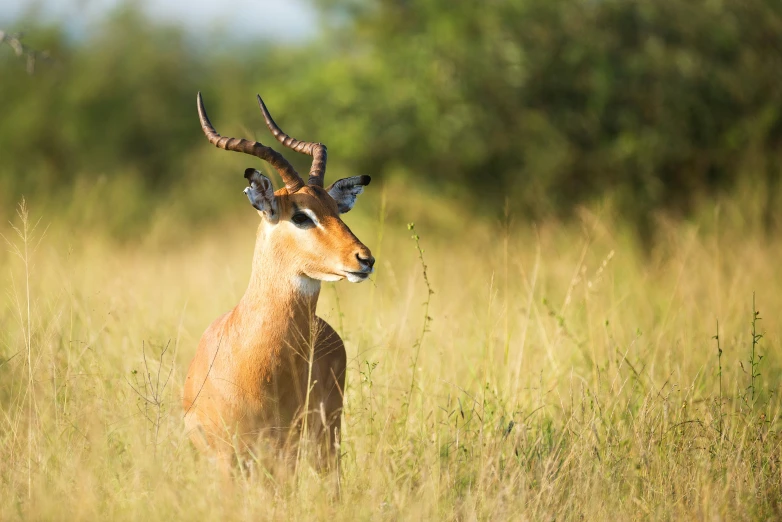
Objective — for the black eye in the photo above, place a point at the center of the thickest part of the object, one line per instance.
(302, 220)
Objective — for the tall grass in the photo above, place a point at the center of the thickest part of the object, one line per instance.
(566, 374)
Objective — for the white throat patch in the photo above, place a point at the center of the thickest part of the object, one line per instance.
(307, 285)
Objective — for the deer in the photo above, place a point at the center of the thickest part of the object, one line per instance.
(270, 373)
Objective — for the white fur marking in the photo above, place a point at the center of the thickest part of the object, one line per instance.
(311, 215)
(356, 278)
(307, 285)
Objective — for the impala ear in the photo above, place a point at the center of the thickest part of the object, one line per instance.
(345, 191)
(261, 194)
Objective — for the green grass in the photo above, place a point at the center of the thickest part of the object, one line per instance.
(564, 374)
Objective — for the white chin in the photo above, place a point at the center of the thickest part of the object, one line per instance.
(328, 277)
(357, 278)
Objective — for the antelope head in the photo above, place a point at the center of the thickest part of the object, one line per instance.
(301, 222)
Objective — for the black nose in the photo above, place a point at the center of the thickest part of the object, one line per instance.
(368, 262)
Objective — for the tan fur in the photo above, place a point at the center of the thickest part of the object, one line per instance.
(246, 390)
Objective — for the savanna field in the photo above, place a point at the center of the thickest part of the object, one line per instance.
(556, 371)
(576, 307)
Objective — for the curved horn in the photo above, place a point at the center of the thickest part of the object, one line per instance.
(290, 177)
(316, 150)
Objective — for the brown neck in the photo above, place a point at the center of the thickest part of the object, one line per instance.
(279, 304)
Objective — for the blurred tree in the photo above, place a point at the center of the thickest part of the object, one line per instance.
(14, 41)
(549, 104)
(559, 102)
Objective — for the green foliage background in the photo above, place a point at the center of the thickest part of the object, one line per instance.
(543, 105)
(561, 372)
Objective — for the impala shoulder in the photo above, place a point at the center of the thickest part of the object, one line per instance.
(216, 328)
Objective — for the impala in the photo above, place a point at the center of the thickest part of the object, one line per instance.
(270, 371)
